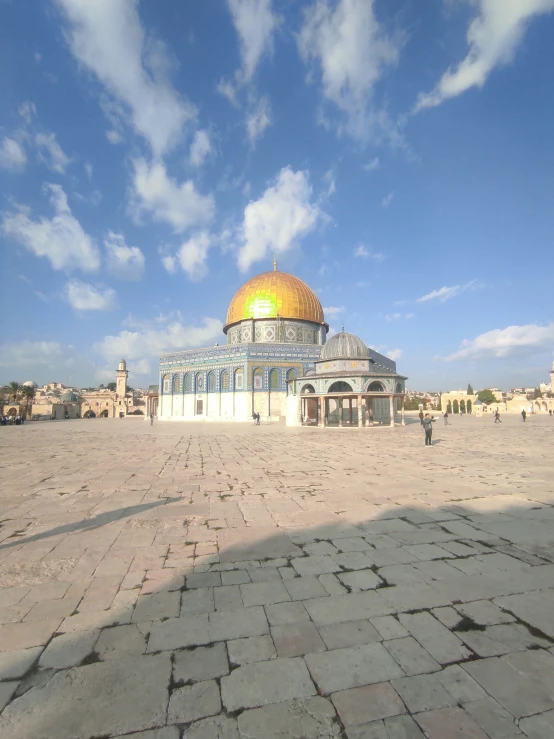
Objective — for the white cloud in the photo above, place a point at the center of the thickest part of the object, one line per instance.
(258, 119)
(387, 200)
(446, 293)
(506, 342)
(396, 316)
(200, 148)
(41, 361)
(27, 110)
(123, 261)
(179, 205)
(283, 214)
(383, 349)
(12, 155)
(89, 170)
(364, 253)
(372, 165)
(394, 354)
(329, 177)
(83, 296)
(333, 310)
(61, 240)
(228, 90)
(170, 264)
(114, 137)
(51, 153)
(193, 254)
(353, 51)
(154, 338)
(493, 37)
(106, 37)
(255, 23)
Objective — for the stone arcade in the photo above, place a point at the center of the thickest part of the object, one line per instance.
(276, 363)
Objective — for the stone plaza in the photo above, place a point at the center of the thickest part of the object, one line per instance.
(227, 581)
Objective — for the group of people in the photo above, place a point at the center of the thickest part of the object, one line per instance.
(12, 420)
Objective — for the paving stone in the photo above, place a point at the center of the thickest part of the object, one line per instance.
(202, 663)
(352, 667)
(501, 639)
(238, 624)
(261, 683)
(533, 608)
(373, 730)
(203, 580)
(228, 598)
(411, 656)
(192, 702)
(120, 640)
(522, 682)
(235, 577)
(492, 718)
(305, 718)
(200, 600)
(27, 634)
(317, 565)
(16, 664)
(348, 634)
(7, 689)
(389, 627)
(286, 613)
(367, 703)
(447, 616)
(402, 727)
(332, 584)
(264, 593)
(166, 732)
(361, 579)
(449, 723)
(157, 606)
(295, 639)
(68, 650)
(251, 649)
(176, 633)
(441, 643)
(72, 704)
(353, 560)
(320, 547)
(423, 693)
(485, 613)
(351, 607)
(265, 574)
(540, 726)
(305, 588)
(416, 596)
(401, 574)
(459, 684)
(46, 609)
(218, 727)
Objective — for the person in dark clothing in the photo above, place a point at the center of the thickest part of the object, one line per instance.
(151, 419)
(497, 417)
(257, 419)
(446, 418)
(421, 417)
(523, 415)
(427, 424)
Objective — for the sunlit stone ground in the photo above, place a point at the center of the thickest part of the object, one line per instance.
(219, 581)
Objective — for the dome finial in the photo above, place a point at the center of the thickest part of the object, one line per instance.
(275, 263)
(343, 326)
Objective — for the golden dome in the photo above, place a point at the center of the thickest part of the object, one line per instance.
(273, 294)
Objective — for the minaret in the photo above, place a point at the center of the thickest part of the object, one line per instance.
(552, 378)
(121, 379)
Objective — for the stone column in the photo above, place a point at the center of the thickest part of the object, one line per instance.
(320, 402)
(391, 409)
(360, 413)
(339, 405)
(402, 414)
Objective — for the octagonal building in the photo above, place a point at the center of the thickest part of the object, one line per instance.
(276, 336)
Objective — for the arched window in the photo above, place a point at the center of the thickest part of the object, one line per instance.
(178, 383)
(340, 387)
(307, 389)
(258, 379)
(469, 406)
(455, 407)
(292, 374)
(167, 384)
(274, 383)
(463, 406)
(449, 407)
(199, 382)
(225, 380)
(188, 383)
(212, 385)
(376, 387)
(239, 379)
(399, 387)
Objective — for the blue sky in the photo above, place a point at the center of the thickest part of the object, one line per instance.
(395, 155)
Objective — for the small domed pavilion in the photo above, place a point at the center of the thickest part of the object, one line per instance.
(351, 386)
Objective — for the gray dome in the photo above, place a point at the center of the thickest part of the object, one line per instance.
(30, 383)
(344, 346)
(68, 397)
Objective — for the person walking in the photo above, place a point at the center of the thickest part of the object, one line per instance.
(497, 417)
(523, 415)
(151, 419)
(421, 417)
(461, 412)
(446, 418)
(257, 419)
(427, 424)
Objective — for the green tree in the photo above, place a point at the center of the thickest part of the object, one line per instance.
(29, 394)
(537, 394)
(14, 388)
(111, 386)
(487, 396)
(470, 389)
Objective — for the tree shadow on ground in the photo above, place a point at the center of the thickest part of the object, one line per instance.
(398, 560)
